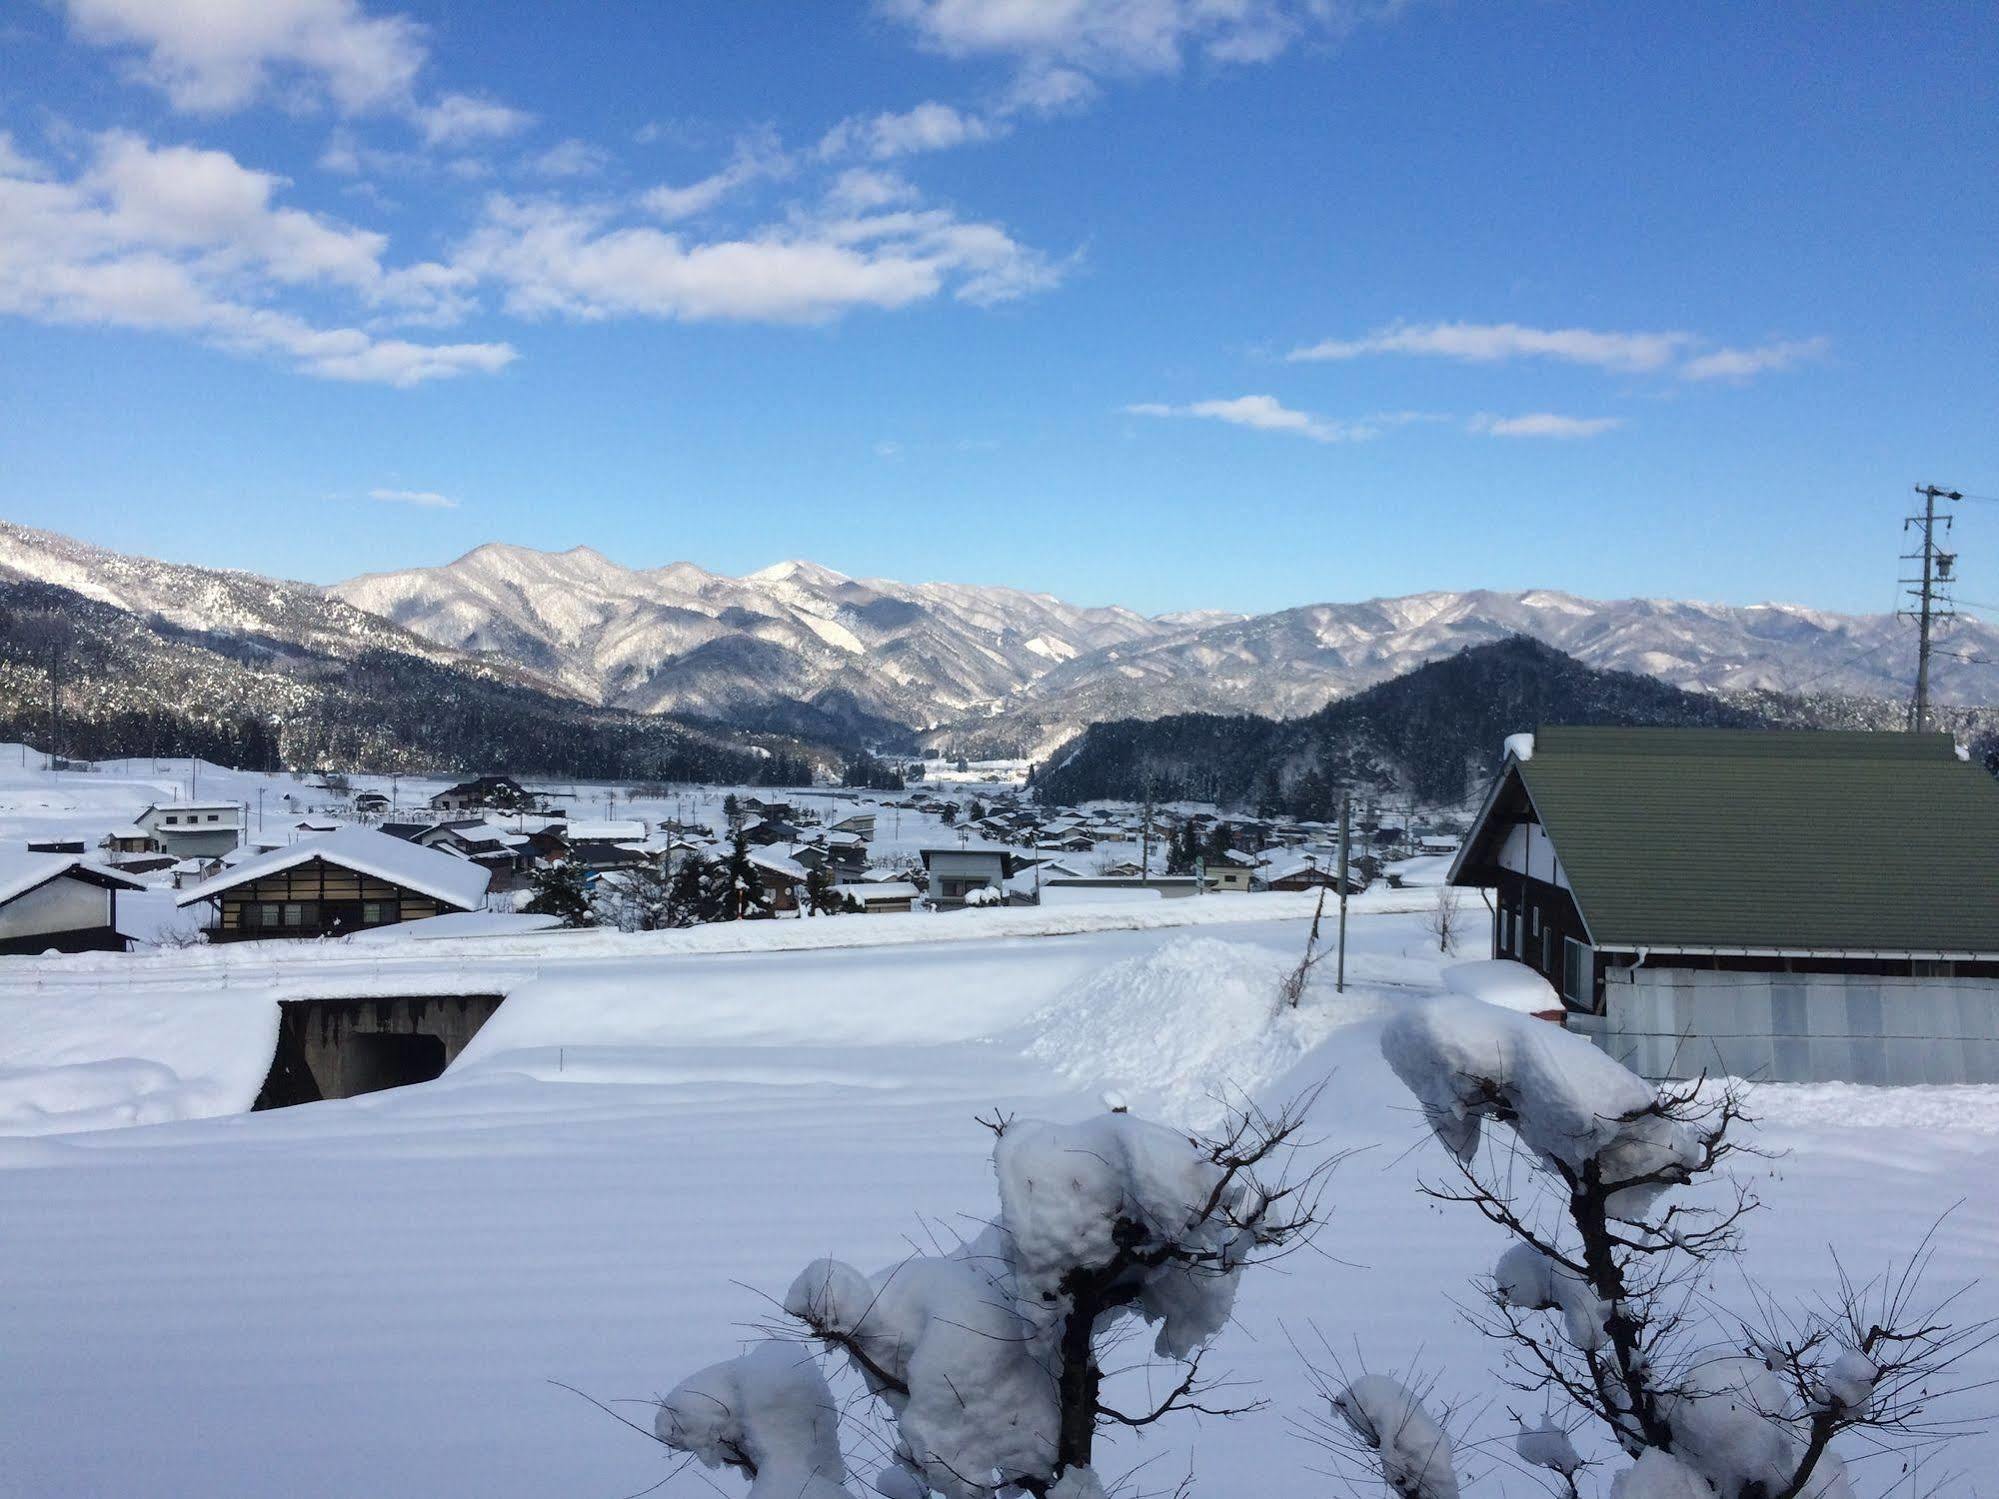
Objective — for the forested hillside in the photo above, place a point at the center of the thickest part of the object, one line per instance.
(1433, 734)
(127, 685)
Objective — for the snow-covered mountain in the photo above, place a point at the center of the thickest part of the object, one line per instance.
(802, 648)
(684, 639)
(1011, 670)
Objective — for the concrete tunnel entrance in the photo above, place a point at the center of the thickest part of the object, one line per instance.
(340, 1048)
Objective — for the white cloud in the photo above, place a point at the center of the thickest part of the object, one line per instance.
(1048, 90)
(1489, 343)
(1135, 36)
(425, 499)
(862, 188)
(1544, 424)
(888, 450)
(554, 257)
(214, 56)
(466, 119)
(1264, 413)
(1740, 364)
(175, 239)
(570, 158)
(1626, 352)
(930, 126)
(756, 156)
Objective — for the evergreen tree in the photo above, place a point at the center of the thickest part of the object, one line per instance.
(949, 814)
(559, 890)
(743, 886)
(691, 901)
(822, 896)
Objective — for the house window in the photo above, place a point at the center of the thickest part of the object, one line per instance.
(215, 817)
(1537, 921)
(371, 913)
(266, 915)
(1578, 973)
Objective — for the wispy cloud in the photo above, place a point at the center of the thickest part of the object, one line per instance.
(1741, 364)
(1490, 343)
(425, 499)
(464, 119)
(1690, 354)
(1126, 36)
(1545, 424)
(570, 158)
(930, 126)
(1263, 413)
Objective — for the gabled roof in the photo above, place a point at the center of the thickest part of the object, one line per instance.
(1760, 840)
(22, 872)
(444, 877)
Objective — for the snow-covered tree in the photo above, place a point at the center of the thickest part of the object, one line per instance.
(986, 1359)
(561, 890)
(1600, 1301)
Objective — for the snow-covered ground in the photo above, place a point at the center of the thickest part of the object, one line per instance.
(372, 1296)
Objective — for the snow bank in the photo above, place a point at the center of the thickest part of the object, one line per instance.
(1191, 1023)
(99, 1061)
(1503, 982)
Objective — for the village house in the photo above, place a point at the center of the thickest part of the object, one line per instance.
(1313, 872)
(956, 873)
(185, 829)
(61, 903)
(1790, 905)
(347, 881)
(883, 898)
(480, 793)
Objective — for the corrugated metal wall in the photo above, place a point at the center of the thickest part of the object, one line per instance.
(1799, 1028)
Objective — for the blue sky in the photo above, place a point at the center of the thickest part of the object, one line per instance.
(1172, 303)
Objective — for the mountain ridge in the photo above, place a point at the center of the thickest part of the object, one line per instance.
(800, 648)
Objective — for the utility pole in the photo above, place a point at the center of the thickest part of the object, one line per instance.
(1340, 970)
(1931, 591)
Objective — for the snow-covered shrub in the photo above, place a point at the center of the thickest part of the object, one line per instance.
(768, 1415)
(986, 1358)
(1599, 1300)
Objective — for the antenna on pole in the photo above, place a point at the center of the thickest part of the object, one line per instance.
(1930, 590)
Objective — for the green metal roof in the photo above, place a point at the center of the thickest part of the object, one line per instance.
(1770, 838)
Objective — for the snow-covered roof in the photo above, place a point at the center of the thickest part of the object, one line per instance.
(22, 872)
(791, 869)
(128, 833)
(886, 890)
(453, 881)
(608, 830)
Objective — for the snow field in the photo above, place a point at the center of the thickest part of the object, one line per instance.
(642, 1150)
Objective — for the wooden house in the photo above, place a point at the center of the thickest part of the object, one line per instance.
(1792, 904)
(347, 881)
